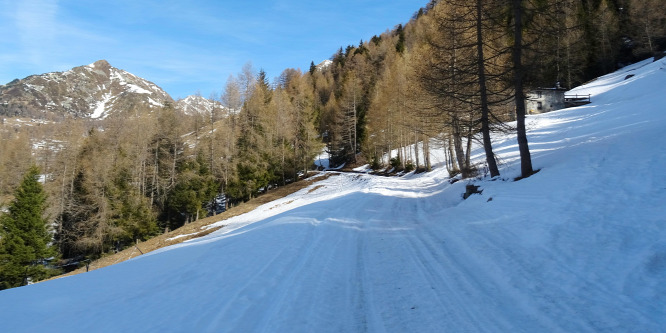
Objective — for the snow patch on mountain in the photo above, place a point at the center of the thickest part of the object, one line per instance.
(324, 64)
(101, 106)
(155, 103)
(195, 104)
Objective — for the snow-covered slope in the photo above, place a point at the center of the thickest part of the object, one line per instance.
(95, 91)
(194, 104)
(578, 247)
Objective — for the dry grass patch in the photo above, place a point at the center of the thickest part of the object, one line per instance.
(315, 188)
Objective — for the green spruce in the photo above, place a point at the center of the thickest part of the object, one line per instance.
(24, 236)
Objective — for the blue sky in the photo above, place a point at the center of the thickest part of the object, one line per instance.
(186, 46)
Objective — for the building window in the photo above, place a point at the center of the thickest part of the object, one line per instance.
(539, 106)
(539, 95)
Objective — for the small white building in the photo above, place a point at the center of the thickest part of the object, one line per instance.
(542, 100)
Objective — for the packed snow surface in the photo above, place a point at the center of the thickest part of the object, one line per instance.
(578, 247)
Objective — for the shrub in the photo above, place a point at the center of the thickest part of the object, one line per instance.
(375, 165)
(409, 166)
(396, 163)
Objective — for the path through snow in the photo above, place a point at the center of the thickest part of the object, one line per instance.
(578, 247)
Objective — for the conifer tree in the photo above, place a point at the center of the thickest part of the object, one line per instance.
(400, 45)
(24, 236)
(85, 225)
(304, 137)
(194, 188)
(252, 147)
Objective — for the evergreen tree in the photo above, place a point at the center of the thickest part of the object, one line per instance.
(24, 237)
(253, 170)
(85, 227)
(400, 45)
(195, 187)
(130, 212)
(265, 86)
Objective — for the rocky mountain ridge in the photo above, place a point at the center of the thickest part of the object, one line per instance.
(94, 91)
(196, 104)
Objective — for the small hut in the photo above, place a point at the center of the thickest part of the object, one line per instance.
(542, 100)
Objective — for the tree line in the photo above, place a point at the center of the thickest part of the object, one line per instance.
(113, 182)
(457, 71)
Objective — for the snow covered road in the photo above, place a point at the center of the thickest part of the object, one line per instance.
(578, 247)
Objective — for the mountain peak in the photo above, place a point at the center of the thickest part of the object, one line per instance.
(95, 91)
(196, 104)
(100, 63)
(324, 64)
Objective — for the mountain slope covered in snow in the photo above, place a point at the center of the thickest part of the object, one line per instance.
(578, 247)
(193, 105)
(96, 91)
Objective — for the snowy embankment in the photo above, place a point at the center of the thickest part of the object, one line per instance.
(578, 247)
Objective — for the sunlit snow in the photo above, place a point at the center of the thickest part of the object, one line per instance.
(578, 247)
(101, 106)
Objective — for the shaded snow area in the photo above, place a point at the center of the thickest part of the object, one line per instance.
(322, 160)
(578, 247)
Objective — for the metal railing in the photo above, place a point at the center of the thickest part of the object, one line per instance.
(577, 98)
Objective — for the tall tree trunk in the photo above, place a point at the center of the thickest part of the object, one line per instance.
(485, 121)
(62, 208)
(452, 156)
(416, 148)
(468, 150)
(525, 158)
(154, 187)
(355, 121)
(458, 148)
(426, 152)
(389, 137)
(212, 140)
(173, 165)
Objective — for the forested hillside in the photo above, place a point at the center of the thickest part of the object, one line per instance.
(456, 72)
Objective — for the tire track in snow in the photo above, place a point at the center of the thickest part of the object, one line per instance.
(371, 321)
(244, 301)
(473, 298)
(522, 302)
(394, 259)
(334, 286)
(303, 267)
(447, 268)
(439, 288)
(285, 284)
